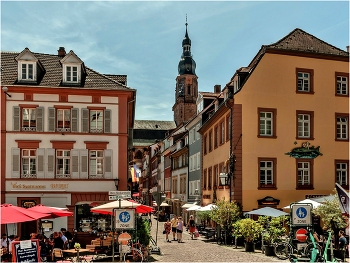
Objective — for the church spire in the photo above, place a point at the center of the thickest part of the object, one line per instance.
(186, 65)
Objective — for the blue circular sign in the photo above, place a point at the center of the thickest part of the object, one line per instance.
(301, 212)
(124, 217)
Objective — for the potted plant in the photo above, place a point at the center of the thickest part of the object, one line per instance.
(272, 232)
(250, 230)
(76, 246)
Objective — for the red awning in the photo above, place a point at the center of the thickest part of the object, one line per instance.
(136, 195)
(53, 212)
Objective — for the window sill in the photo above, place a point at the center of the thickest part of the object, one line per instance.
(305, 92)
(304, 138)
(341, 140)
(306, 187)
(346, 187)
(221, 187)
(342, 95)
(267, 137)
(267, 187)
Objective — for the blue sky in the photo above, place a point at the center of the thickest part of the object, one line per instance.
(143, 39)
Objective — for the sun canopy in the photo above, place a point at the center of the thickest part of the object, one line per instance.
(322, 199)
(207, 208)
(15, 214)
(53, 212)
(115, 204)
(309, 201)
(164, 204)
(188, 205)
(267, 211)
(193, 208)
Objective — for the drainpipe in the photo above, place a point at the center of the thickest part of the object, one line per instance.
(230, 147)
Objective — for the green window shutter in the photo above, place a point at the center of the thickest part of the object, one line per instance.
(15, 162)
(40, 119)
(50, 155)
(40, 155)
(85, 120)
(107, 121)
(108, 163)
(52, 118)
(74, 119)
(75, 163)
(16, 118)
(84, 158)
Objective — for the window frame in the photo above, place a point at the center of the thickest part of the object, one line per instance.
(273, 125)
(341, 115)
(20, 75)
(30, 175)
(210, 140)
(210, 175)
(64, 129)
(272, 186)
(341, 74)
(78, 66)
(58, 176)
(216, 136)
(97, 175)
(311, 171)
(228, 128)
(338, 161)
(96, 130)
(215, 176)
(222, 132)
(205, 144)
(29, 128)
(174, 185)
(204, 179)
(311, 80)
(302, 112)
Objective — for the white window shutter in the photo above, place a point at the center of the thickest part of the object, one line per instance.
(52, 118)
(15, 162)
(16, 118)
(108, 163)
(84, 161)
(40, 155)
(85, 120)
(75, 163)
(107, 121)
(50, 157)
(40, 119)
(74, 120)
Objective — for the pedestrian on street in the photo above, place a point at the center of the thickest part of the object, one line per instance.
(174, 226)
(192, 226)
(167, 228)
(179, 229)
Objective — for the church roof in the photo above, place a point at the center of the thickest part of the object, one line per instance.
(154, 125)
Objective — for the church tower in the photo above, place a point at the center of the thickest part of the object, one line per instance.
(186, 84)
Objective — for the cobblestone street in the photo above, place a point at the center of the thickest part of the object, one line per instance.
(200, 250)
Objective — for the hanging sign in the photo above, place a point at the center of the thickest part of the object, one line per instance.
(125, 219)
(301, 214)
(25, 251)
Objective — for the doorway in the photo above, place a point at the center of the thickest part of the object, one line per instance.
(26, 228)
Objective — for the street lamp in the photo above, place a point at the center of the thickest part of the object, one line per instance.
(225, 178)
(116, 183)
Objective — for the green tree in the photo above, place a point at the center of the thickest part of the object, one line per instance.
(273, 228)
(226, 214)
(204, 216)
(248, 228)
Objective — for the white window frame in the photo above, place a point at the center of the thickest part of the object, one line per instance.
(96, 129)
(304, 126)
(342, 173)
(30, 112)
(65, 73)
(303, 81)
(198, 161)
(304, 172)
(63, 129)
(96, 175)
(265, 170)
(194, 162)
(198, 135)
(222, 132)
(20, 75)
(266, 121)
(191, 163)
(342, 85)
(342, 124)
(64, 157)
(31, 162)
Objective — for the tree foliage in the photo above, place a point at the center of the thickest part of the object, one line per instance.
(273, 228)
(204, 215)
(226, 213)
(248, 228)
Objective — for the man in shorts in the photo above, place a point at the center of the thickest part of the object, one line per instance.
(174, 226)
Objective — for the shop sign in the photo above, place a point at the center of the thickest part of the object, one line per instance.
(35, 186)
(125, 219)
(301, 214)
(182, 198)
(312, 196)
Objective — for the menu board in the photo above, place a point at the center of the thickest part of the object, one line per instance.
(25, 251)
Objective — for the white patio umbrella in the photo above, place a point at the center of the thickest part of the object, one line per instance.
(207, 208)
(193, 208)
(267, 211)
(164, 204)
(115, 204)
(309, 201)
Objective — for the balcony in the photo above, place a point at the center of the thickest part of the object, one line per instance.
(63, 129)
(31, 176)
(63, 176)
(28, 128)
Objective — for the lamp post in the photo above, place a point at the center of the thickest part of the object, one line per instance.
(116, 183)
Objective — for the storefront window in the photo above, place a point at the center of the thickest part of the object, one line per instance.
(86, 221)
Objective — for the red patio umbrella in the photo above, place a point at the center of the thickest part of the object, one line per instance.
(139, 209)
(15, 214)
(52, 212)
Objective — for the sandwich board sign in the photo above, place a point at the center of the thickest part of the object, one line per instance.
(301, 214)
(125, 219)
(25, 251)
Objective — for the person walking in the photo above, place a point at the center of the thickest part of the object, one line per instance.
(179, 229)
(174, 226)
(167, 228)
(191, 225)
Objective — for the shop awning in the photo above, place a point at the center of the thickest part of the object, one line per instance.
(188, 205)
(136, 195)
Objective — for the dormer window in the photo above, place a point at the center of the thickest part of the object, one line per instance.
(72, 68)
(71, 73)
(27, 72)
(28, 65)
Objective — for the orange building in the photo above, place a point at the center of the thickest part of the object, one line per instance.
(291, 109)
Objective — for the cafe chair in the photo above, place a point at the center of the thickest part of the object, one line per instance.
(59, 257)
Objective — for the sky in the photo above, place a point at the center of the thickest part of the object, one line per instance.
(142, 39)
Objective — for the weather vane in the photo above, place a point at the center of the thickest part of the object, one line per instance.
(186, 21)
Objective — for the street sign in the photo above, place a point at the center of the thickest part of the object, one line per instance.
(301, 214)
(119, 193)
(117, 197)
(301, 234)
(125, 219)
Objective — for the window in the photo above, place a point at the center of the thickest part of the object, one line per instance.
(198, 161)
(210, 141)
(305, 124)
(180, 161)
(96, 121)
(63, 120)
(63, 163)
(198, 135)
(341, 84)
(96, 164)
(71, 74)
(204, 180)
(182, 184)
(304, 81)
(342, 127)
(28, 119)
(205, 144)
(191, 164)
(209, 178)
(215, 183)
(267, 123)
(194, 162)
(27, 72)
(222, 138)
(342, 173)
(28, 163)
(228, 128)
(174, 186)
(216, 137)
(267, 173)
(304, 173)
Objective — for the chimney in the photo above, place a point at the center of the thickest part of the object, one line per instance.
(61, 52)
(217, 88)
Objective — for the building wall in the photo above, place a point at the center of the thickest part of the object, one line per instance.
(273, 85)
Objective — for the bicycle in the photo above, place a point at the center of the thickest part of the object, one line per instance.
(285, 249)
(137, 254)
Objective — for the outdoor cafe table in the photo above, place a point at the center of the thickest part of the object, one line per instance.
(73, 251)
